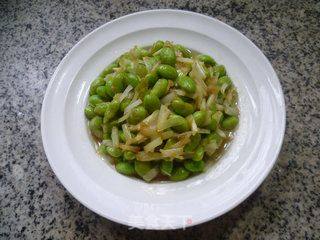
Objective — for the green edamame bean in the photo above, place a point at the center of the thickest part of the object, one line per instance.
(151, 103)
(114, 152)
(194, 166)
(167, 56)
(142, 168)
(224, 80)
(198, 154)
(95, 84)
(94, 100)
(137, 115)
(185, 52)
(108, 70)
(102, 92)
(117, 82)
(199, 118)
(125, 168)
(187, 84)
(212, 137)
(89, 112)
(207, 59)
(178, 123)
(106, 136)
(108, 87)
(152, 79)
(95, 123)
(132, 79)
(111, 110)
(141, 70)
(160, 88)
(219, 70)
(213, 124)
(179, 174)
(182, 108)
(129, 156)
(101, 108)
(229, 123)
(166, 167)
(167, 71)
(102, 149)
(122, 138)
(125, 103)
(157, 46)
(193, 144)
(107, 128)
(141, 52)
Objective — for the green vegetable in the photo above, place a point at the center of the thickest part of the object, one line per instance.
(194, 166)
(94, 100)
(125, 168)
(102, 92)
(182, 108)
(101, 108)
(109, 88)
(142, 167)
(111, 110)
(167, 72)
(185, 52)
(178, 123)
(166, 167)
(157, 46)
(95, 84)
(108, 70)
(199, 118)
(151, 103)
(137, 115)
(129, 156)
(141, 70)
(152, 78)
(102, 149)
(141, 52)
(213, 124)
(219, 70)
(117, 82)
(230, 122)
(122, 138)
(179, 174)
(125, 103)
(186, 83)
(160, 88)
(132, 79)
(193, 144)
(224, 80)
(114, 152)
(198, 154)
(167, 56)
(95, 123)
(89, 112)
(206, 59)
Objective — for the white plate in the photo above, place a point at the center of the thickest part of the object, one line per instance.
(129, 201)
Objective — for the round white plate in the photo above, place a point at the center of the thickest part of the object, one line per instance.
(130, 201)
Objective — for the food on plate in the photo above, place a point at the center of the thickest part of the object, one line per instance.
(162, 112)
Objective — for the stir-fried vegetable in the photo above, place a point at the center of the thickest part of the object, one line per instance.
(162, 111)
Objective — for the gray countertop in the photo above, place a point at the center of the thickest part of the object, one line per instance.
(34, 37)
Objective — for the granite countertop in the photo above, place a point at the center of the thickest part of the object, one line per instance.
(34, 37)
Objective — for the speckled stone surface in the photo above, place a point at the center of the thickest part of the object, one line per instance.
(34, 37)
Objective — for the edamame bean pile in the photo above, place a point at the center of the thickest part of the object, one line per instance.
(162, 112)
